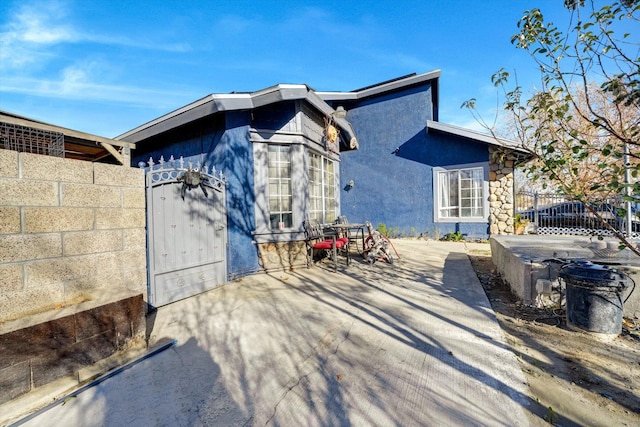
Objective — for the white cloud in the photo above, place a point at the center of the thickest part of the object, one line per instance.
(32, 30)
(29, 28)
(77, 84)
(40, 25)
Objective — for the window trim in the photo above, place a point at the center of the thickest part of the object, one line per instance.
(437, 218)
(280, 179)
(323, 198)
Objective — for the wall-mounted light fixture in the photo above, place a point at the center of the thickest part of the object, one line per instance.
(349, 186)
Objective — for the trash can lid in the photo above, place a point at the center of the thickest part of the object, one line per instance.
(589, 273)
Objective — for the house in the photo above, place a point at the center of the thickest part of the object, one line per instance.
(87, 240)
(416, 175)
(287, 153)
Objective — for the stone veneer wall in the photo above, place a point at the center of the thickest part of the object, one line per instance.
(282, 256)
(70, 231)
(501, 196)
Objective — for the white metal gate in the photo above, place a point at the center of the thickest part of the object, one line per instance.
(187, 230)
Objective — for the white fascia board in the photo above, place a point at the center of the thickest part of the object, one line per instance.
(278, 93)
(399, 84)
(473, 134)
(232, 101)
(380, 89)
(338, 96)
(220, 102)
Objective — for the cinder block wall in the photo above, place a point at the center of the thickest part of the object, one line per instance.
(70, 231)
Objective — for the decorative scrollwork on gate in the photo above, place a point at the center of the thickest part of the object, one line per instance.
(175, 171)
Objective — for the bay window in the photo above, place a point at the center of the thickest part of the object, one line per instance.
(280, 193)
(322, 191)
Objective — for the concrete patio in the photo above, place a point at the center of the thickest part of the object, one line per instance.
(414, 343)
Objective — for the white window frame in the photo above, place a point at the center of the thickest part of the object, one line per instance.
(322, 188)
(278, 181)
(481, 200)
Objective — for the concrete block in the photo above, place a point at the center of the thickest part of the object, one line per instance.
(120, 218)
(9, 220)
(69, 360)
(52, 366)
(133, 258)
(43, 220)
(60, 270)
(42, 338)
(96, 286)
(80, 195)
(115, 175)
(95, 321)
(136, 280)
(133, 198)
(15, 380)
(129, 318)
(12, 304)
(136, 310)
(8, 163)
(108, 262)
(22, 247)
(11, 277)
(19, 192)
(66, 347)
(86, 242)
(134, 238)
(124, 260)
(49, 168)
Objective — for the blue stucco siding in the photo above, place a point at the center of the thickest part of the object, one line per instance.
(198, 139)
(239, 169)
(393, 168)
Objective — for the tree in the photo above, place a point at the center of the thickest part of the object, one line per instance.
(583, 125)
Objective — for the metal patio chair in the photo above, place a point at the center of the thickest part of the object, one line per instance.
(317, 237)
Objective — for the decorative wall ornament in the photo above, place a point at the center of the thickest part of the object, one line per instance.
(188, 175)
(190, 179)
(331, 134)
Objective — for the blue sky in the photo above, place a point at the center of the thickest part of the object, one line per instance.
(105, 67)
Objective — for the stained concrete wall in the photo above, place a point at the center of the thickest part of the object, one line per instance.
(72, 269)
(522, 260)
(70, 231)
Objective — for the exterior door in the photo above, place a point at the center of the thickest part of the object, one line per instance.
(187, 231)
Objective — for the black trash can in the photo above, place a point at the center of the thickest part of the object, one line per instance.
(594, 297)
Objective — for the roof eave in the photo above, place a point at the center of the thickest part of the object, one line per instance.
(523, 154)
(216, 103)
(208, 105)
(380, 89)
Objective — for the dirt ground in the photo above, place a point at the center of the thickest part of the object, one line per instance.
(574, 379)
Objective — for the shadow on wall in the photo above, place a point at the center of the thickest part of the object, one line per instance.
(436, 150)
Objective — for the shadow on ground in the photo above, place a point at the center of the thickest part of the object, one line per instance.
(575, 378)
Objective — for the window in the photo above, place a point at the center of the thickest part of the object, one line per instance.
(280, 196)
(460, 193)
(322, 191)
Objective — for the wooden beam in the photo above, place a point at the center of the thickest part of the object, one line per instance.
(66, 132)
(113, 152)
